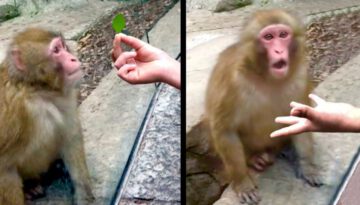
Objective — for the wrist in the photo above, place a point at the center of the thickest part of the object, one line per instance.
(354, 120)
(170, 73)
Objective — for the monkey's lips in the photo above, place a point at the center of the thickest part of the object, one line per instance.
(279, 68)
(74, 72)
(75, 75)
(280, 64)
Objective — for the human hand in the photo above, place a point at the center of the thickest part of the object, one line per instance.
(325, 117)
(146, 64)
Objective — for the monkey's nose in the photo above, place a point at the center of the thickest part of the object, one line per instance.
(74, 60)
(279, 51)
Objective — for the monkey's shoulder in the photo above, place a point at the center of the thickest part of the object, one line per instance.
(44, 111)
(232, 54)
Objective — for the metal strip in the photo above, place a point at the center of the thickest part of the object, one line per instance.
(138, 139)
(346, 178)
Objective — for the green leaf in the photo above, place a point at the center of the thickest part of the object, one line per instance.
(119, 23)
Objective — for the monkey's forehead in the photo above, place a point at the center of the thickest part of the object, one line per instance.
(274, 16)
(36, 35)
(275, 26)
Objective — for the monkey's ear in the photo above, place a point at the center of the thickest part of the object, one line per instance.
(16, 57)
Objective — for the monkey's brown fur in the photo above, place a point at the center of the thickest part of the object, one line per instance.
(242, 101)
(39, 120)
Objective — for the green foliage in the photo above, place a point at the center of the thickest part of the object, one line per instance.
(119, 23)
(8, 11)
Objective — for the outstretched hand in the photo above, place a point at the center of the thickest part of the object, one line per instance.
(324, 117)
(146, 64)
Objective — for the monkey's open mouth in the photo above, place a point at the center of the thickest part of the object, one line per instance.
(280, 64)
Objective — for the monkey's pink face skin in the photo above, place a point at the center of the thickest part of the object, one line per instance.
(69, 64)
(276, 40)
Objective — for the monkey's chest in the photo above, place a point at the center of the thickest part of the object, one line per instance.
(256, 135)
(45, 143)
(258, 121)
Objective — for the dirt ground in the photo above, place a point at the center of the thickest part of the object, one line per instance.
(332, 41)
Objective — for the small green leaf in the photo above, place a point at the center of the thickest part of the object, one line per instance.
(119, 23)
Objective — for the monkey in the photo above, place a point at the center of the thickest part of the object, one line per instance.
(39, 80)
(253, 82)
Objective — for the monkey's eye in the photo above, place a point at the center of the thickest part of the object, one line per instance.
(268, 37)
(56, 49)
(283, 34)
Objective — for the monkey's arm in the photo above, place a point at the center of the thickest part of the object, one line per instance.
(231, 150)
(17, 123)
(73, 154)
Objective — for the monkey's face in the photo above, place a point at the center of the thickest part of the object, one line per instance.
(276, 40)
(41, 58)
(66, 63)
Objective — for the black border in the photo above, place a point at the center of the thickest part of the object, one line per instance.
(183, 100)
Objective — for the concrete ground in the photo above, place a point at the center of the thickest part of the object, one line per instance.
(208, 34)
(111, 116)
(154, 176)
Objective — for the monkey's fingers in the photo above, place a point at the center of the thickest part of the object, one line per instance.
(316, 99)
(124, 58)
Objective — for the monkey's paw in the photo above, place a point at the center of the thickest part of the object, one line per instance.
(250, 197)
(248, 193)
(85, 198)
(261, 161)
(313, 180)
(312, 176)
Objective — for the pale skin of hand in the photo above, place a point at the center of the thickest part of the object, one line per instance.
(146, 64)
(324, 117)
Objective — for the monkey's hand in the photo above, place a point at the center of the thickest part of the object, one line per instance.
(325, 117)
(310, 173)
(247, 191)
(84, 196)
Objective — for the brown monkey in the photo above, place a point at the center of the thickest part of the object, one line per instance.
(39, 121)
(253, 82)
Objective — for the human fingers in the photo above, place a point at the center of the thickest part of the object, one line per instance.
(316, 99)
(128, 73)
(116, 51)
(290, 130)
(304, 111)
(299, 109)
(289, 120)
(296, 104)
(124, 58)
(133, 42)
